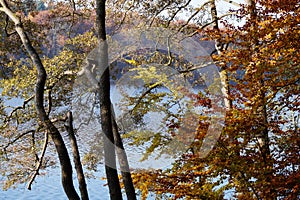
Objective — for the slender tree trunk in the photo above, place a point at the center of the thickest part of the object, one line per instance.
(263, 137)
(105, 106)
(76, 156)
(219, 47)
(265, 147)
(65, 163)
(123, 161)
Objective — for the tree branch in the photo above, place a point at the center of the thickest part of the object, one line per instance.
(193, 15)
(6, 26)
(39, 164)
(177, 11)
(8, 118)
(17, 138)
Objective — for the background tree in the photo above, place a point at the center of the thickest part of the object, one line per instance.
(260, 62)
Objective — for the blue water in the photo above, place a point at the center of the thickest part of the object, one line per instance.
(49, 187)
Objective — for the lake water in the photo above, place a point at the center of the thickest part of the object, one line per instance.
(49, 187)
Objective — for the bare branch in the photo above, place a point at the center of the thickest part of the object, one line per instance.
(122, 20)
(39, 164)
(233, 3)
(17, 138)
(8, 118)
(197, 67)
(205, 25)
(49, 102)
(179, 9)
(193, 15)
(73, 17)
(161, 10)
(6, 26)
(89, 119)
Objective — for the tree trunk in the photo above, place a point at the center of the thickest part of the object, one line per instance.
(105, 106)
(123, 161)
(65, 163)
(263, 115)
(219, 47)
(76, 156)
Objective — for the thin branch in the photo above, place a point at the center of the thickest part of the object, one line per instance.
(8, 118)
(179, 9)
(233, 3)
(122, 20)
(144, 94)
(193, 15)
(6, 26)
(207, 24)
(49, 102)
(89, 119)
(197, 67)
(17, 138)
(157, 13)
(39, 164)
(73, 5)
(34, 146)
(73, 17)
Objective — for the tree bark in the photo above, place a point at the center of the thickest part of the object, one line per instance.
(105, 106)
(123, 161)
(65, 163)
(223, 69)
(76, 156)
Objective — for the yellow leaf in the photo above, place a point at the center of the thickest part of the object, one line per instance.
(131, 61)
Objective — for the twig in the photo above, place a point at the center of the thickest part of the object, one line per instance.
(89, 119)
(49, 102)
(36, 171)
(8, 118)
(144, 94)
(197, 67)
(193, 15)
(157, 13)
(232, 2)
(177, 11)
(6, 26)
(17, 138)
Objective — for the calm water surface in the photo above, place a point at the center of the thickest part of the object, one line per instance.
(49, 187)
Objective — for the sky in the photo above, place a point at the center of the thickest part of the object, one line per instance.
(223, 6)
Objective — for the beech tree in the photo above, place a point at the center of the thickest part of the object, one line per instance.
(260, 73)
